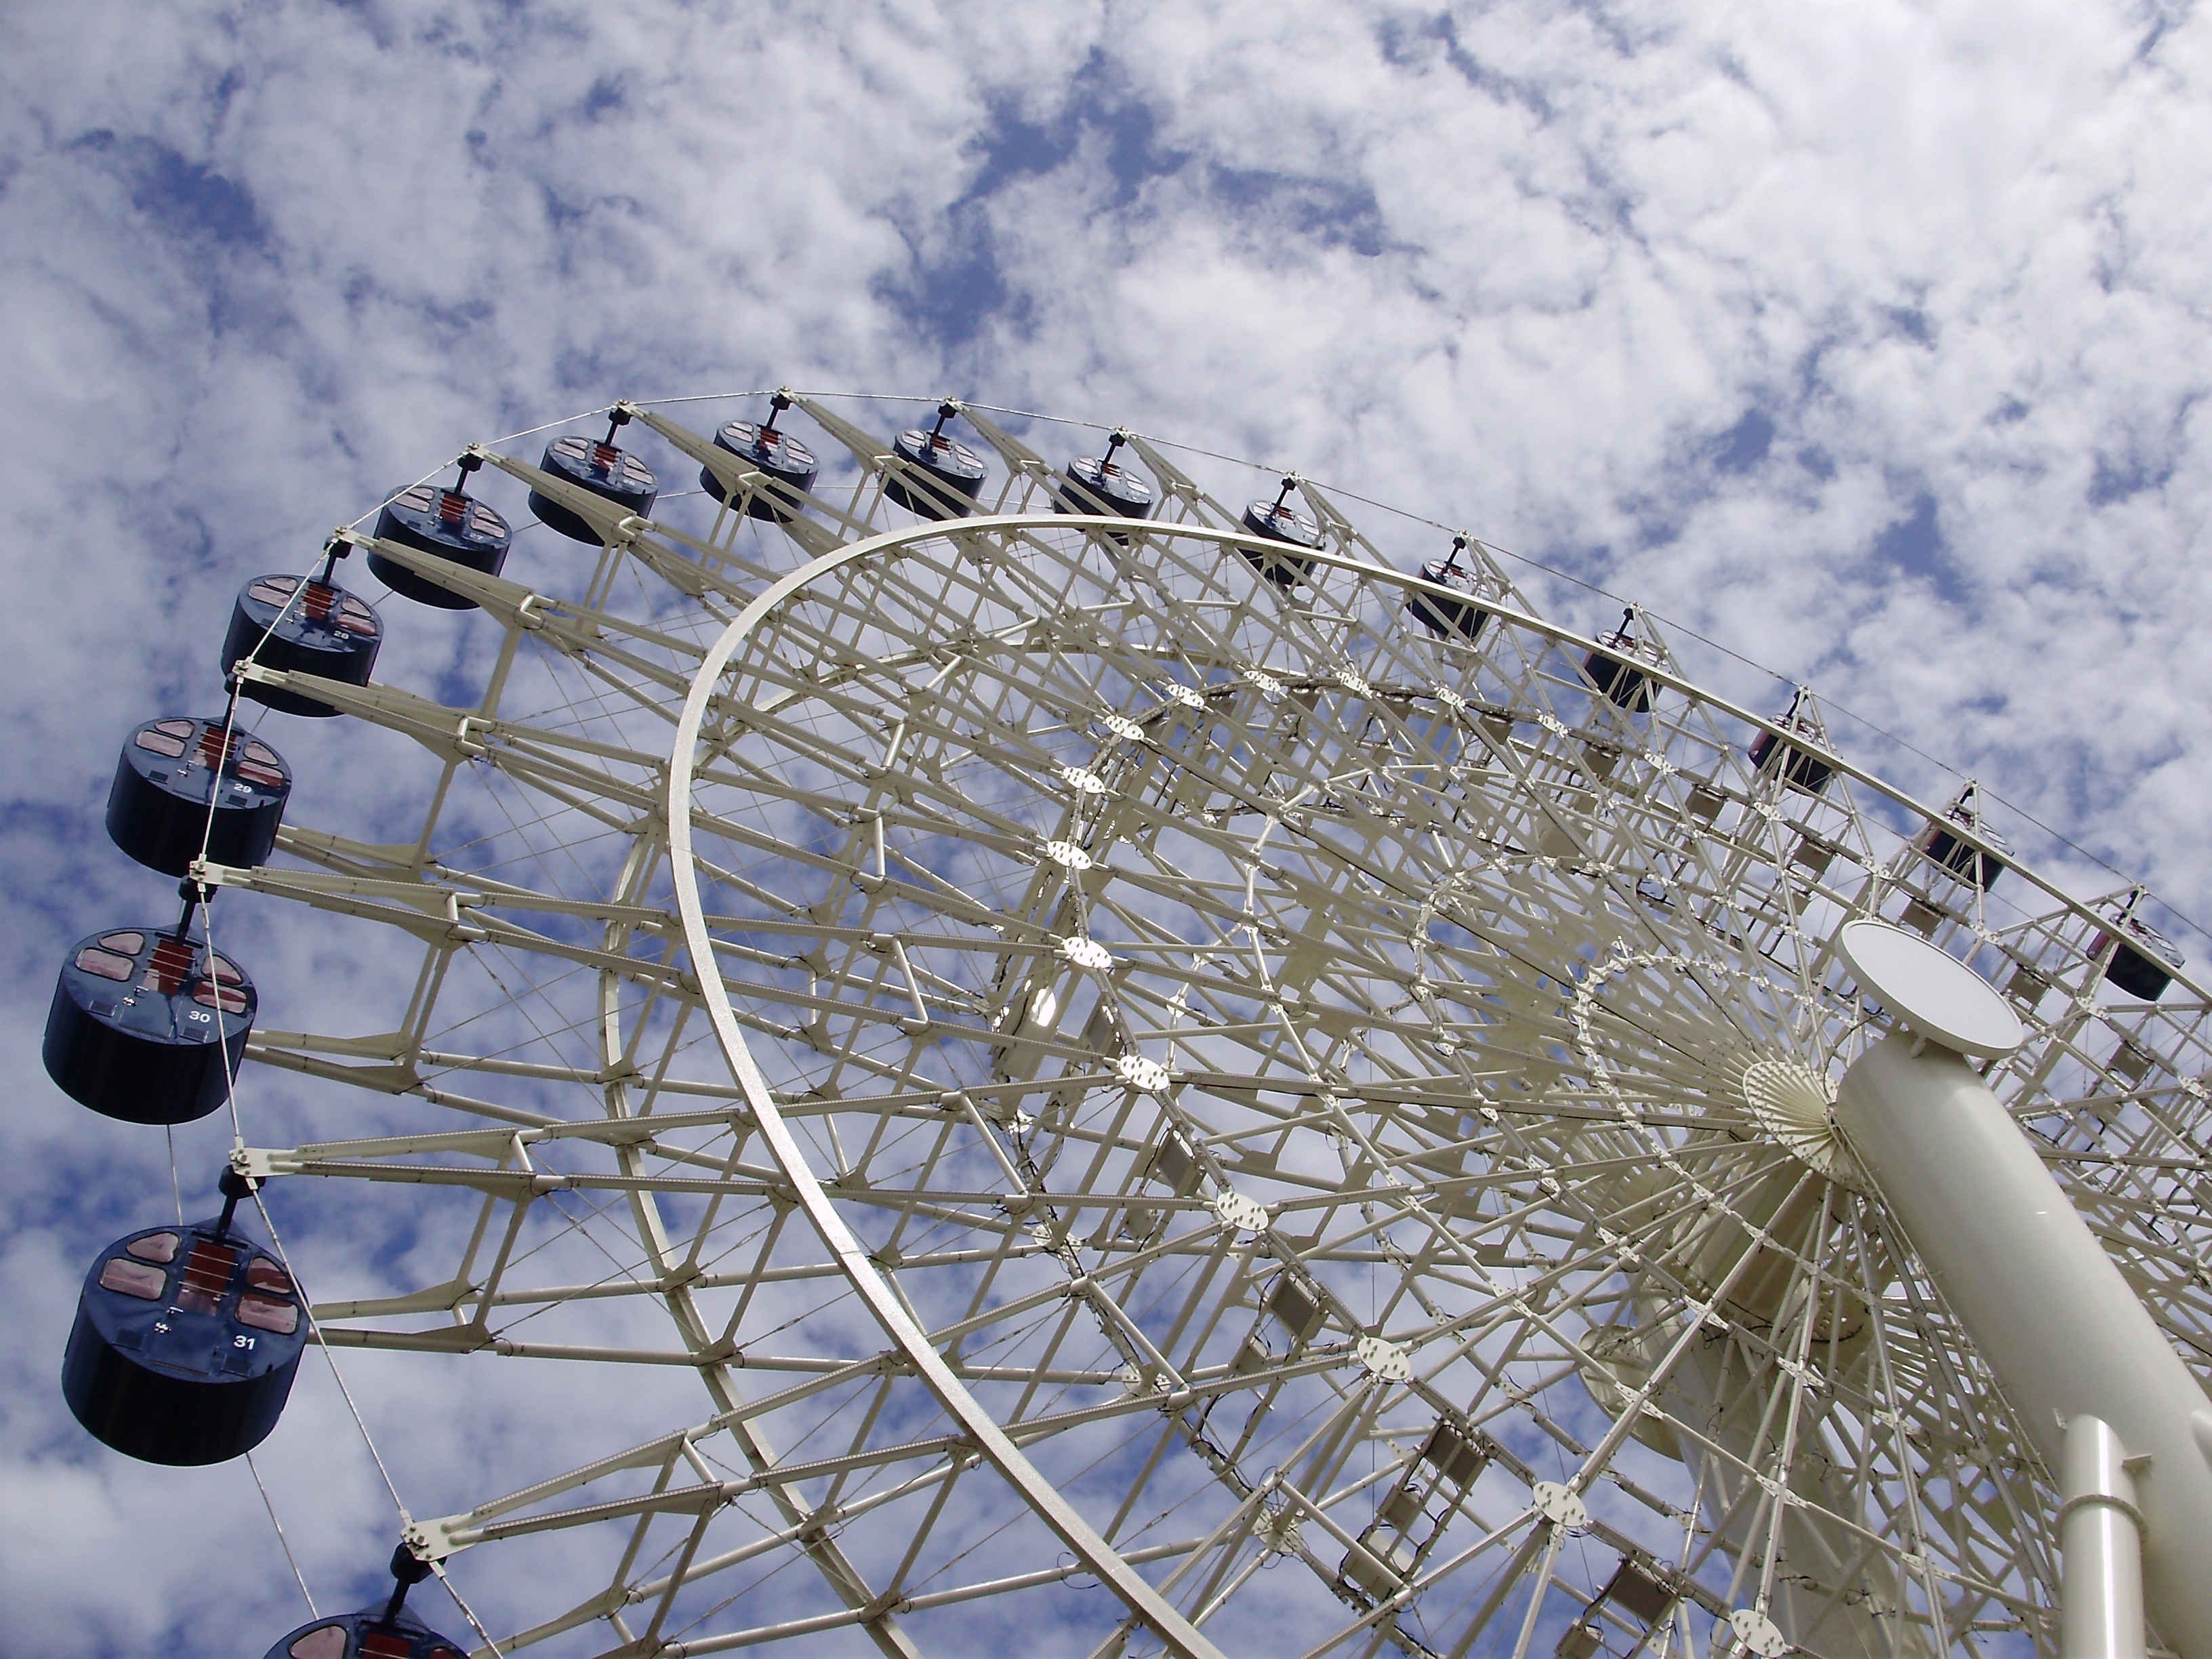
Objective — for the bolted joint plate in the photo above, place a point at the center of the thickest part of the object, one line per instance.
(1759, 1634)
(1560, 1505)
(1389, 1361)
(1239, 1213)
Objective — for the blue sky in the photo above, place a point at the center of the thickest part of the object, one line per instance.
(1867, 339)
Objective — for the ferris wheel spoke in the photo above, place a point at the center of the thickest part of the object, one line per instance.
(718, 580)
(803, 1533)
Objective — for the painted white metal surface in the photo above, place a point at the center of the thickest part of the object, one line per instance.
(2059, 1324)
(883, 1301)
(1930, 991)
(2100, 1536)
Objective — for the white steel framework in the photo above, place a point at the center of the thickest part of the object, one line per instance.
(1109, 1069)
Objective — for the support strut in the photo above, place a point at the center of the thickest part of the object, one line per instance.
(2100, 1536)
(2068, 1339)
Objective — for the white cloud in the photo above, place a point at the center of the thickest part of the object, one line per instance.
(1522, 268)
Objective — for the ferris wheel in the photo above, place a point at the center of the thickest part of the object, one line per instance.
(1048, 1063)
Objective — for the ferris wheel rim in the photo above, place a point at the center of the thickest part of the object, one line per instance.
(853, 1260)
(1969, 835)
(1043, 1497)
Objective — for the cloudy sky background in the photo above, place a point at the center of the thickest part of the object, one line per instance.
(1867, 339)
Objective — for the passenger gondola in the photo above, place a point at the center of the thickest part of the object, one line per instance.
(447, 524)
(1098, 485)
(1961, 858)
(187, 1341)
(1612, 669)
(388, 1632)
(2143, 961)
(146, 1026)
(933, 474)
(1445, 617)
(185, 781)
(787, 465)
(600, 468)
(302, 626)
(1279, 521)
(1798, 761)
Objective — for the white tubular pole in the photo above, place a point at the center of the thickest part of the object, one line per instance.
(2060, 1327)
(2100, 1536)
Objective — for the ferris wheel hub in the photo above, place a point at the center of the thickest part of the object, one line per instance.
(1795, 1106)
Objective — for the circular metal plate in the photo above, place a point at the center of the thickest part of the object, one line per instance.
(1934, 994)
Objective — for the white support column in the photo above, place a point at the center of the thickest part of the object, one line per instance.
(2100, 1536)
(2060, 1327)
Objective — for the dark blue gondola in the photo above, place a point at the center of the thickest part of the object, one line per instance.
(367, 1634)
(2144, 961)
(788, 464)
(1799, 765)
(599, 467)
(389, 1632)
(1279, 521)
(1615, 675)
(302, 627)
(447, 524)
(935, 476)
(1961, 858)
(1098, 485)
(1446, 616)
(173, 770)
(187, 1341)
(147, 1027)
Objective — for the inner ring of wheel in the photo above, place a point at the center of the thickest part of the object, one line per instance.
(1790, 1097)
(852, 1258)
(1181, 1636)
